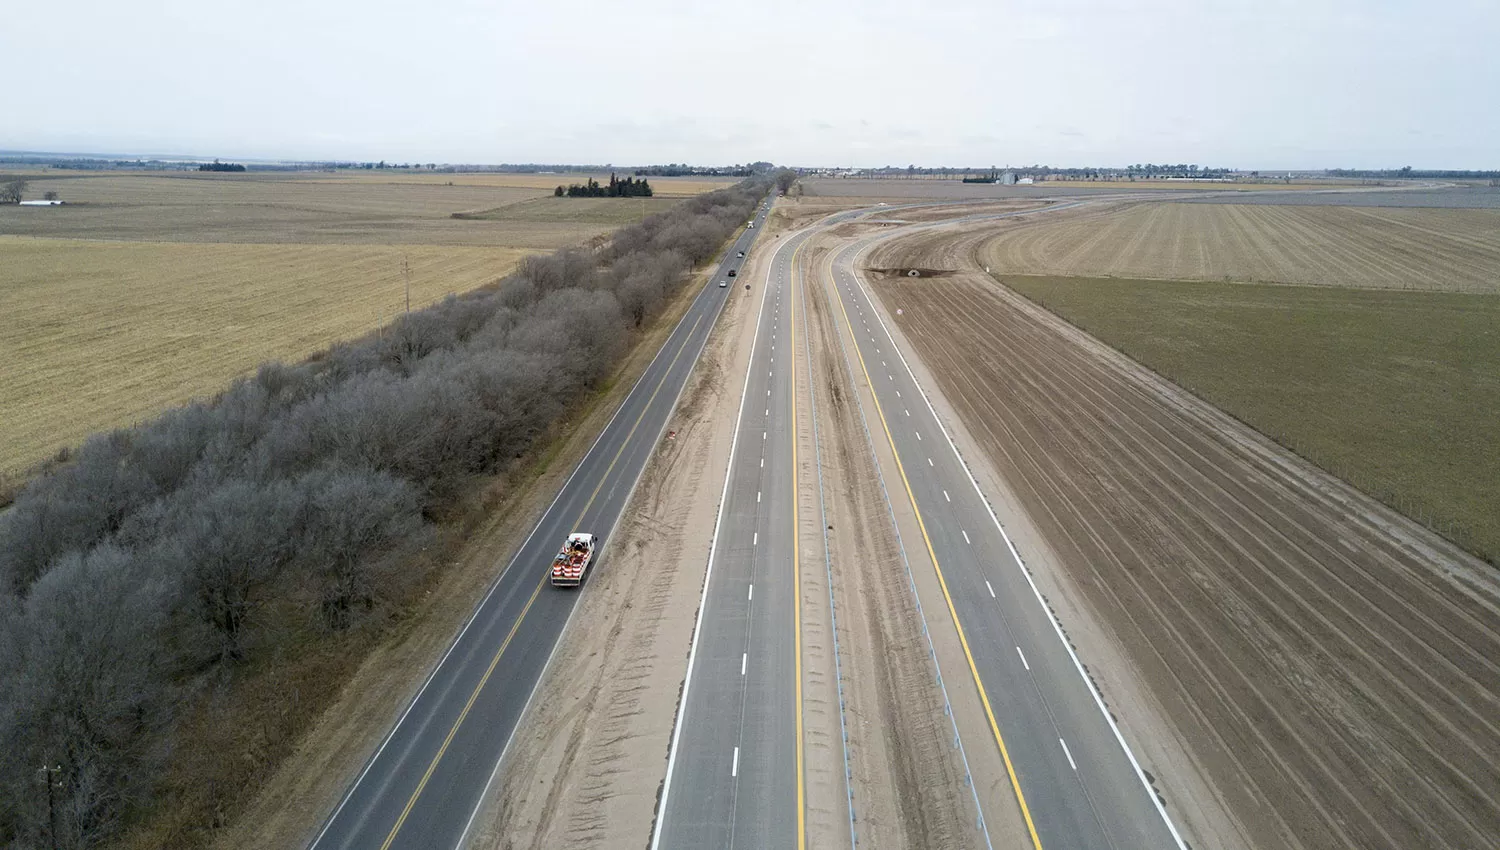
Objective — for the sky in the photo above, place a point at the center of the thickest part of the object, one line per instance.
(1247, 84)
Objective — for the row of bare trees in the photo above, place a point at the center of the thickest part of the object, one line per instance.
(160, 557)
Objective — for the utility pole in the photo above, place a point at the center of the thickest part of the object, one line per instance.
(406, 272)
(47, 774)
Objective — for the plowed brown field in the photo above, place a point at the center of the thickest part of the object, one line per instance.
(1333, 666)
(1447, 249)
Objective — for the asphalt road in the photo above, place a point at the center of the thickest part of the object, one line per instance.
(733, 774)
(1074, 779)
(422, 787)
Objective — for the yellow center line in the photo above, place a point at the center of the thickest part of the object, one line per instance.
(494, 662)
(989, 712)
(797, 561)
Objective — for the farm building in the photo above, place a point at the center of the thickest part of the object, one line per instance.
(41, 203)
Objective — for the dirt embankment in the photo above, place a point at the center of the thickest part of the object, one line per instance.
(908, 784)
(1332, 668)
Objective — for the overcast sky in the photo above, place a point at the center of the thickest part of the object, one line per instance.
(1239, 83)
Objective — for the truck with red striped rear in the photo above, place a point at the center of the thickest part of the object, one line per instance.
(574, 560)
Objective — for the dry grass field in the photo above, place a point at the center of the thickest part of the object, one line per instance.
(677, 187)
(101, 334)
(150, 288)
(1383, 248)
(609, 212)
(1204, 185)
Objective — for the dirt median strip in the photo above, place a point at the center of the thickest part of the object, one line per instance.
(910, 785)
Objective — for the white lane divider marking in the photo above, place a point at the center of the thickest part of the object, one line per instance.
(763, 435)
(898, 393)
(744, 660)
(751, 594)
(992, 592)
(1071, 763)
(929, 461)
(757, 497)
(1023, 659)
(919, 436)
(734, 769)
(966, 536)
(762, 463)
(946, 496)
(754, 538)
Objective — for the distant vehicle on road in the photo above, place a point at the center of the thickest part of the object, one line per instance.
(742, 255)
(723, 283)
(574, 560)
(731, 272)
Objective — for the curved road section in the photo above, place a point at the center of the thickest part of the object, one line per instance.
(1074, 778)
(423, 785)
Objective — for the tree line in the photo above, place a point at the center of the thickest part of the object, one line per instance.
(221, 166)
(627, 187)
(1418, 173)
(156, 559)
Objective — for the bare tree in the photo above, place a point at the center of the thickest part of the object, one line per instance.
(11, 192)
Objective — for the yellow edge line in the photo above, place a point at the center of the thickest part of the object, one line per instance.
(797, 563)
(517, 625)
(465, 713)
(989, 712)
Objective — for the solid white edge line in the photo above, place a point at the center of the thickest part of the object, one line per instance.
(1140, 774)
(687, 681)
(474, 614)
(495, 772)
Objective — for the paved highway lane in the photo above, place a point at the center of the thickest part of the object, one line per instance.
(1074, 780)
(735, 768)
(423, 785)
